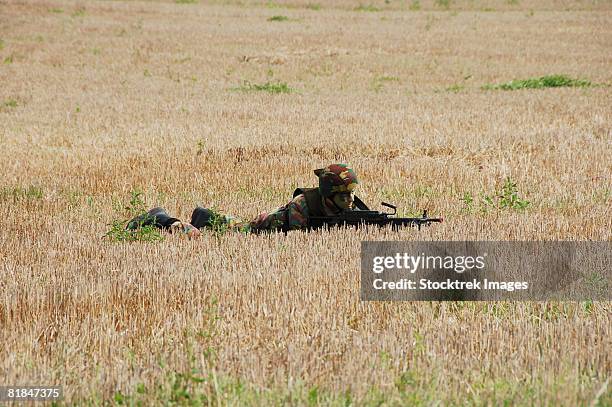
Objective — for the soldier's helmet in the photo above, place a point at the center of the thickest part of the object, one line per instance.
(336, 178)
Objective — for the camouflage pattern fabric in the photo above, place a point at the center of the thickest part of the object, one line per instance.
(336, 178)
(295, 213)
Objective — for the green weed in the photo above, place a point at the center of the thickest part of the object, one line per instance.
(186, 1)
(456, 88)
(588, 306)
(278, 18)
(79, 12)
(443, 3)
(379, 82)
(368, 7)
(16, 194)
(468, 202)
(219, 224)
(56, 10)
(313, 6)
(144, 231)
(415, 5)
(201, 144)
(550, 81)
(270, 87)
(10, 103)
(1, 45)
(9, 59)
(507, 198)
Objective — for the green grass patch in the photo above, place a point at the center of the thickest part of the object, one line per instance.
(456, 88)
(186, 1)
(17, 194)
(506, 198)
(56, 10)
(367, 7)
(142, 232)
(10, 103)
(415, 5)
(443, 4)
(313, 6)
(270, 87)
(278, 18)
(79, 12)
(549, 81)
(379, 82)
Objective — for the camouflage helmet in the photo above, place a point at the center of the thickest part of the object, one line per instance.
(336, 178)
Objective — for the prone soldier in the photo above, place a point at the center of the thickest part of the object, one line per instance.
(333, 196)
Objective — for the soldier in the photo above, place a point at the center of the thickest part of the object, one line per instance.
(333, 195)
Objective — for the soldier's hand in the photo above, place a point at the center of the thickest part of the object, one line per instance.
(186, 229)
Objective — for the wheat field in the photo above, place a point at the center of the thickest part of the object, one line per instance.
(99, 99)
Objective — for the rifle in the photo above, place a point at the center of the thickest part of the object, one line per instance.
(359, 217)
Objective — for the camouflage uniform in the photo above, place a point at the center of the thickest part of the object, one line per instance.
(336, 178)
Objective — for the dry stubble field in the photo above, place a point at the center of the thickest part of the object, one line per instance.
(101, 98)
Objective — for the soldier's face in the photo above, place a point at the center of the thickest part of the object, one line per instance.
(343, 200)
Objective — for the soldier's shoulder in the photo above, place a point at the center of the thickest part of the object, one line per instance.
(299, 201)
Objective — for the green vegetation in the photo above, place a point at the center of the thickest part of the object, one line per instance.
(219, 223)
(270, 87)
(200, 383)
(143, 232)
(549, 81)
(9, 59)
(16, 194)
(186, 1)
(1, 44)
(368, 7)
(379, 82)
(313, 6)
(278, 18)
(79, 12)
(10, 103)
(456, 88)
(506, 198)
(415, 5)
(443, 3)
(56, 10)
